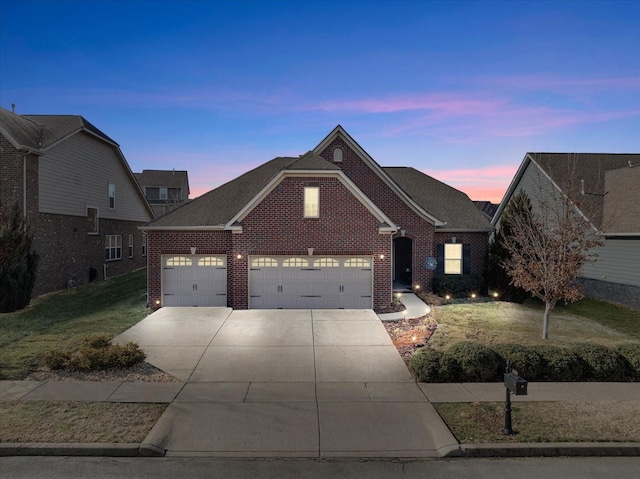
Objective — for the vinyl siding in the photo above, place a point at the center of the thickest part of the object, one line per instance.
(75, 174)
(618, 262)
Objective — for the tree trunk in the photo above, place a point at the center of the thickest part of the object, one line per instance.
(548, 306)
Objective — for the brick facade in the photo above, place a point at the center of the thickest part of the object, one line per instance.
(64, 247)
(479, 247)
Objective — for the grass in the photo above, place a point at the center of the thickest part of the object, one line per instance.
(603, 421)
(501, 322)
(60, 320)
(77, 422)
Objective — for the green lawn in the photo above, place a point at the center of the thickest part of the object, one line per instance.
(589, 320)
(59, 320)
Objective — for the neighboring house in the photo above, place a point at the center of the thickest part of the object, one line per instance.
(75, 189)
(488, 208)
(328, 229)
(609, 185)
(165, 190)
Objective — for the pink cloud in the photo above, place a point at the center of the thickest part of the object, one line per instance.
(487, 183)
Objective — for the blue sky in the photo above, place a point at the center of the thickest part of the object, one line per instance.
(458, 89)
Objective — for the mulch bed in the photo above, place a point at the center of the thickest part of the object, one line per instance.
(408, 335)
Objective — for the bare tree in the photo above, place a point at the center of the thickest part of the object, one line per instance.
(550, 244)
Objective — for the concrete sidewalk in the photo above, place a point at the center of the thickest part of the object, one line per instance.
(415, 308)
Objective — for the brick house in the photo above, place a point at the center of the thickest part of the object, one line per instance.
(328, 229)
(75, 189)
(165, 190)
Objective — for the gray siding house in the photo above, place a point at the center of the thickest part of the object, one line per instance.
(609, 185)
(165, 190)
(75, 189)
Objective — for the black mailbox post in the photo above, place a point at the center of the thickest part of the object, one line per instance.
(513, 384)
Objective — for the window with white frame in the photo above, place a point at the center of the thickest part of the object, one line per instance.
(164, 194)
(453, 258)
(130, 246)
(112, 196)
(112, 247)
(92, 221)
(311, 202)
(144, 245)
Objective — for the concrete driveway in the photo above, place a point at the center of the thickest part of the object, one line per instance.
(306, 383)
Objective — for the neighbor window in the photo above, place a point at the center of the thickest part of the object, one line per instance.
(144, 245)
(311, 202)
(112, 196)
(163, 194)
(130, 246)
(112, 247)
(92, 220)
(453, 258)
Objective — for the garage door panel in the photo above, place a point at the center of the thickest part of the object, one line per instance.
(194, 280)
(311, 282)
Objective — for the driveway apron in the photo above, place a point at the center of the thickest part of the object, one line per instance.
(302, 383)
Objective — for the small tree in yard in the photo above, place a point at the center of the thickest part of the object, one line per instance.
(496, 276)
(548, 247)
(17, 262)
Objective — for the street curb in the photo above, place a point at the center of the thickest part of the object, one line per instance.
(551, 449)
(70, 449)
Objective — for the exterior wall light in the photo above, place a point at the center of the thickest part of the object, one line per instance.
(381, 256)
(417, 286)
(157, 302)
(239, 256)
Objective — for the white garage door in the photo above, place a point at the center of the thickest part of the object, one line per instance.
(194, 280)
(302, 282)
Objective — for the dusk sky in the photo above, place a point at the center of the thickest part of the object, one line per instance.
(460, 90)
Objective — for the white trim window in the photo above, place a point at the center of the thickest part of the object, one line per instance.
(164, 193)
(453, 258)
(130, 246)
(112, 247)
(93, 223)
(112, 196)
(311, 202)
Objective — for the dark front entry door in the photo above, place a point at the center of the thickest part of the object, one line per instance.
(403, 254)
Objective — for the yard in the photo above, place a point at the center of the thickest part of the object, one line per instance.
(59, 320)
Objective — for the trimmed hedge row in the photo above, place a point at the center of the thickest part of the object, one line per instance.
(96, 353)
(458, 285)
(468, 361)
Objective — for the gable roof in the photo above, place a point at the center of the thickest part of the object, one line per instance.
(585, 171)
(39, 132)
(445, 202)
(163, 178)
(227, 205)
(338, 131)
(621, 213)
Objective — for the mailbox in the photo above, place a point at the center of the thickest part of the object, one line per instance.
(515, 384)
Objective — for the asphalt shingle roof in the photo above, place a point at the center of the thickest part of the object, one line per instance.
(164, 178)
(571, 170)
(622, 201)
(442, 201)
(25, 132)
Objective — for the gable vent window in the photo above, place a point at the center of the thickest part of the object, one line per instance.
(311, 202)
(337, 155)
(112, 196)
(92, 221)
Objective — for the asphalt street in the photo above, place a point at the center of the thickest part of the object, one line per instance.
(161, 468)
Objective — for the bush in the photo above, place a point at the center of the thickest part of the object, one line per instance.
(458, 285)
(600, 363)
(523, 359)
(631, 353)
(476, 361)
(431, 366)
(560, 364)
(96, 353)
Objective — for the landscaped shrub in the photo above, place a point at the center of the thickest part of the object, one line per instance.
(431, 366)
(96, 353)
(560, 364)
(458, 285)
(631, 353)
(600, 362)
(523, 359)
(477, 362)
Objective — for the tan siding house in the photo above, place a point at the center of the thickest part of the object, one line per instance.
(58, 169)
